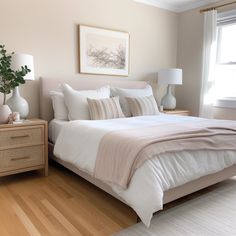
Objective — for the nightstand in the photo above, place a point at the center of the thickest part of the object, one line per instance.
(177, 112)
(23, 147)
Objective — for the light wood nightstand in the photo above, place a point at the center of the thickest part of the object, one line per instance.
(177, 112)
(23, 147)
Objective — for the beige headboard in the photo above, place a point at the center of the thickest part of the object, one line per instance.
(49, 84)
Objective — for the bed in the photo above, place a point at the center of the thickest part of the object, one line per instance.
(55, 128)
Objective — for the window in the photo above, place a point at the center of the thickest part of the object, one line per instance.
(226, 57)
(226, 53)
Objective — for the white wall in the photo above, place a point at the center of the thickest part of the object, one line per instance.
(48, 30)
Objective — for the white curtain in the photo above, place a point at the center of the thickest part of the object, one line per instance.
(208, 96)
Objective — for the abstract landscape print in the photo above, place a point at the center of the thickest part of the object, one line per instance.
(103, 51)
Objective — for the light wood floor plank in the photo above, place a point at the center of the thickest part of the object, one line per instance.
(45, 221)
(69, 212)
(25, 220)
(26, 207)
(8, 217)
(71, 229)
(56, 224)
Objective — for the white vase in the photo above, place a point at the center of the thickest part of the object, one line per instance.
(18, 104)
(5, 111)
(168, 101)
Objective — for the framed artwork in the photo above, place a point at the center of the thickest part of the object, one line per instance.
(103, 51)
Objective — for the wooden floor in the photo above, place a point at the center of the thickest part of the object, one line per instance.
(64, 204)
(60, 204)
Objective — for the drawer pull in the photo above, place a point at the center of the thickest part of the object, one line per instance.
(20, 158)
(20, 136)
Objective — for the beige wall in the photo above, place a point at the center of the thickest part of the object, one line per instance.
(189, 57)
(47, 29)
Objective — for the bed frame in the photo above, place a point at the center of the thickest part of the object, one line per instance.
(46, 113)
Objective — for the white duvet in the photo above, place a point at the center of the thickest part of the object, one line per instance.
(78, 142)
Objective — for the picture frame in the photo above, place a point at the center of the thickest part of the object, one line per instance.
(103, 51)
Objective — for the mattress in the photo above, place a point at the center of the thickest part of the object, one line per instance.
(54, 129)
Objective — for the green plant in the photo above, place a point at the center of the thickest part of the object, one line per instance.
(9, 79)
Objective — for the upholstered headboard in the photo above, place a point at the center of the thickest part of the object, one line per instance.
(49, 84)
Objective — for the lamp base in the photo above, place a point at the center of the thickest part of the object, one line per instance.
(168, 101)
(18, 104)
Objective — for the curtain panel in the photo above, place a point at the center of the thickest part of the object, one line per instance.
(208, 96)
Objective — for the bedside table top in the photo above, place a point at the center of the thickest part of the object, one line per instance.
(176, 111)
(34, 121)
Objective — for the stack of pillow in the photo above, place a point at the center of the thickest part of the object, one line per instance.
(103, 103)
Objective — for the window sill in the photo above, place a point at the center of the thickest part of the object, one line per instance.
(226, 102)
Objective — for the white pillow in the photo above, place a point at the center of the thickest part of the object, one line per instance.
(123, 93)
(76, 101)
(59, 106)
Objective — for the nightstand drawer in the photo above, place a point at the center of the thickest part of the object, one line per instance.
(21, 157)
(21, 137)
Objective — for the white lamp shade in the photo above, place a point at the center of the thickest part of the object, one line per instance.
(19, 60)
(170, 76)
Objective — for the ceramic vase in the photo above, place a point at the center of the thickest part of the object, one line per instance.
(18, 103)
(5, 111)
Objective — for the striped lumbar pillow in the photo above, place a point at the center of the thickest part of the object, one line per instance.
(107, 108)
(143, 106)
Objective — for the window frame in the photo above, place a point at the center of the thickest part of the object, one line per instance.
(224, 18)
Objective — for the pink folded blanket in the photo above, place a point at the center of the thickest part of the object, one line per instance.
(121, 152)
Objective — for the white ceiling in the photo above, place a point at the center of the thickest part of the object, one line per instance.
(178, 5)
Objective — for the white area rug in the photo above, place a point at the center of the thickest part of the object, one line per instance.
(209, 214)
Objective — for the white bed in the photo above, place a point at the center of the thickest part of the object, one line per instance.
(149, 188)
(78, 141)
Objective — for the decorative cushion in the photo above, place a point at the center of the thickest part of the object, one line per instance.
(76, 101)
(107, 108)
(59, 106)
(143, 106)
(123, 93)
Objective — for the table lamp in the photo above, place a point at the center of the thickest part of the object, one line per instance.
(169, 77)
(16, 102)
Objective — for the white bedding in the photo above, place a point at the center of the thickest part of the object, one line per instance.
(78, 142)
(54, 129)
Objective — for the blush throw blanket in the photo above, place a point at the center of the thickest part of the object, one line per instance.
(121, 152)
